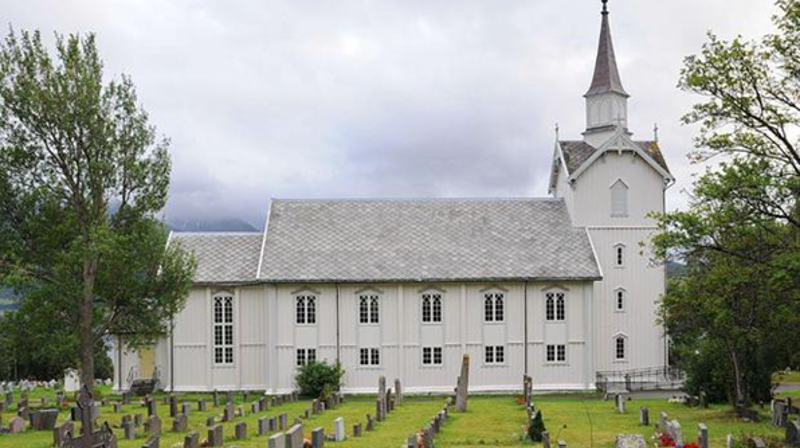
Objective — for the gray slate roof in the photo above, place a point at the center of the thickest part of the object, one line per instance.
(424, 240)
(222, 257)
(606, 74)
(577, 152)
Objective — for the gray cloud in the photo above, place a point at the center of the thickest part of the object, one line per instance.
(384, 98)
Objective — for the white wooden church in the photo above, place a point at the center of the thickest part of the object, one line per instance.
(558, 288)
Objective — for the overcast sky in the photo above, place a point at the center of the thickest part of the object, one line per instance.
(402, 98)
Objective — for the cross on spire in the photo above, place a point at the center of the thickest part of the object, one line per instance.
(605, 6)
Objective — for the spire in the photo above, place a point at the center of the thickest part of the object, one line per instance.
(606, 75)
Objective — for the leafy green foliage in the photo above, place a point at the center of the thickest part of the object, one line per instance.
(740, 239)
(536, 427)
(82, 177)
(318, 379)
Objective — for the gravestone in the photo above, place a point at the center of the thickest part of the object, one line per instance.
(545, 439)
(562, 443)
(357, 430)
(191, 440)
(462, 390)
(370, 423)
(779, 413)
(153, 426)
(398, 391)
(241, 431)
(756, 442)
(62, 432)
(729, 441)
(702, 435)
(180, 424)
(263, 426)
(294, 437)
(380, 409)
(215, 436)
(677, 432)
(644, 416)
(277, 441)
(117, 408)
(185, 408)
(201, 406)
(338, 429)
(621, 403)
(210, 421)
(412, 441)
(228, 413)
(216, 398)
(272, 424)
(16, 425)
(793, 433)
(317, 438)
(152, 407)
(630, 441)
(129, 430)
(152, 442)
(283, 421)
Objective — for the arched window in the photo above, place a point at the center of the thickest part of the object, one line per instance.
(305, 309)
(619, 300)
(368, 309)
(620, 347)
(555, 308)
(619, 199)
(619, 255)
(560, 307)
(432, 308)
(494, 309)
(223, 329)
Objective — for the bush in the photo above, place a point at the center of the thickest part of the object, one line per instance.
(536, 427)
(317, 379)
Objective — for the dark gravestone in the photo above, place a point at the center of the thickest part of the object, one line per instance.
(191, 440)
(152, 407)
(180, 424)
(263, 426)
(46, 419)
(210, 421)
(793, 433)
(241, 431)
(370, 423)
(317, 438)
(61, 433)
(186, 408)
(228, 413)
(216, 398)
(129, 430)
(294, 437)
(201, 406)
(152, 442)
(153, 425)
(117, 408)
(272, 424)
(644, 416)
(357, 430)
(283, 421)
(215, 436)
(173, 406)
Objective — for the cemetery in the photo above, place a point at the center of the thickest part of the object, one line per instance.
(45, 416)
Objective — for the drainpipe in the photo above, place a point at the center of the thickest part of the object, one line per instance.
(338, 324)
(525, 301)
(172, 355)
(119, 362)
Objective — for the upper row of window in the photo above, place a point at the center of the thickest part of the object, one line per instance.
(431, 305)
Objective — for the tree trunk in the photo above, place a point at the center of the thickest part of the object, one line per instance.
(738, 380)
(85, 328)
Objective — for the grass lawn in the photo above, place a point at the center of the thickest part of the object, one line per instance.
(786, 378)
(405, 420)
(584, 421)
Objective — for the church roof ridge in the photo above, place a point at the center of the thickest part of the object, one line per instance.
(606, 73)
(413, 199)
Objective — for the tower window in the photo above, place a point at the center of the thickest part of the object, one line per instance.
(620, 347)
(619, 255)
(619, 300)
(368, 309)
(555, 307)
(306, 309)
(619, 199)
(432, 308)
(223, 329)
(493, 307)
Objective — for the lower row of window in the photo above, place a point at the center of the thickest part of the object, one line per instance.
(432, 356)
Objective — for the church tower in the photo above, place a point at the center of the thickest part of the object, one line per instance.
(610, 183)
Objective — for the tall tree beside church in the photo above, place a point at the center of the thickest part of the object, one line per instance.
(82, 177)
(741, 236)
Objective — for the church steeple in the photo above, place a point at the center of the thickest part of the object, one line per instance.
(606, 100)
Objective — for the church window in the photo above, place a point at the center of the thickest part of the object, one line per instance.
(432, 308)
(619, 255)
(370, 357)
(223, 329)
(368, 309)
(432, 356)
(306, 309)
(555, 307)
(494, 307)
(494, 354)
(620, 347)
(619, 300)
(306, 356)
(557, 353)
(619, 199)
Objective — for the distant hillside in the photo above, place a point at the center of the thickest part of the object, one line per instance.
(220, 225)
(7, 301)
(675, 269)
